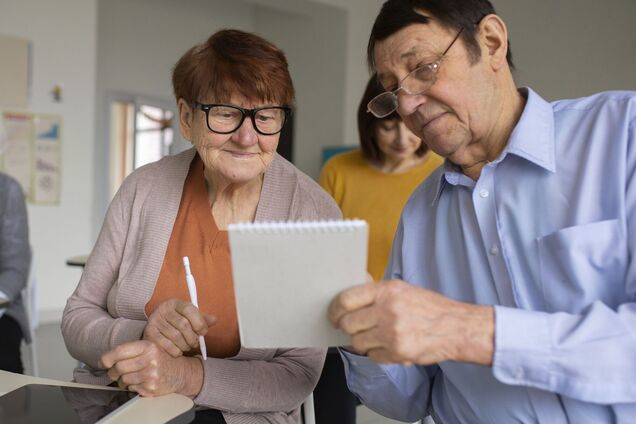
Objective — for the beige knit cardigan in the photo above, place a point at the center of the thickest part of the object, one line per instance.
(107, 307)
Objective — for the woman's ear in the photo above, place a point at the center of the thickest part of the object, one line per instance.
(186, 116)
(493, 38)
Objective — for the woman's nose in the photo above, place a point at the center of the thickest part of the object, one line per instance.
(245, 135)
(403, 133)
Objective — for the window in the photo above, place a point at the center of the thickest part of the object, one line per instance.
(140, 133)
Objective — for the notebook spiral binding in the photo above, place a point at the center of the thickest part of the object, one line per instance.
(331, 226)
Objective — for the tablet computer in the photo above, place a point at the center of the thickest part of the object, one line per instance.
(39, 404)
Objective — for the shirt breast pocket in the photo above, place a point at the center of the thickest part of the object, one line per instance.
(582, 264)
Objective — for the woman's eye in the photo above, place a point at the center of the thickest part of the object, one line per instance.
(388, 125)
(224, 114)
(264, 118)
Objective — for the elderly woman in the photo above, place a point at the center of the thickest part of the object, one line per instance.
(129, 320)
(373, 183)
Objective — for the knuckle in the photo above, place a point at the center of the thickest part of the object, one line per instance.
(187, 308)
(183, 324)
(117, 369)
(393, 306)
(347, 299)
(393, 287)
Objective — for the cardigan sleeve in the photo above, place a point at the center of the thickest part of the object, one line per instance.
(89, 330)
(280, 383)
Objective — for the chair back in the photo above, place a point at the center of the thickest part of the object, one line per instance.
(309, 415)
(29, 298)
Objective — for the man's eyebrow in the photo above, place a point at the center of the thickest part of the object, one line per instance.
(408, 54)
(412, 52)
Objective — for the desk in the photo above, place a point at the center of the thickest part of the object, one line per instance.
(77, 260)
(172, 408)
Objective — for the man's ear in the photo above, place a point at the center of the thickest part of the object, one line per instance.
(493, 38)
(186, 116)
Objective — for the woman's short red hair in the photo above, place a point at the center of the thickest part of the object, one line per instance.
(233, 62)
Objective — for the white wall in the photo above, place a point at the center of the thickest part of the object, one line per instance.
(63, 36)
(566, 49)
(313, 37)
(562, 49)
(361, 15)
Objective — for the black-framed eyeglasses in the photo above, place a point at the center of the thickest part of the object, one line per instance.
(225, 119)
(417, 81)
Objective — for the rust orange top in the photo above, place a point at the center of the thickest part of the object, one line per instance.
(196, 235)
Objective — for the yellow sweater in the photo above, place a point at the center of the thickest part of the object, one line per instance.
(377, 197)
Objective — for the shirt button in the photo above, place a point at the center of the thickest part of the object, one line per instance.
(483, 192)
(494, 250)
(519, 374)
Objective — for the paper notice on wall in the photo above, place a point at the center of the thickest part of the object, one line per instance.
(16, 148)
(31, 152)
(47, 161)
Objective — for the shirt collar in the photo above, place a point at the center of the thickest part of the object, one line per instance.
(532, 139)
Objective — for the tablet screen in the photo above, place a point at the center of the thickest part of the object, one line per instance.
(37, 403)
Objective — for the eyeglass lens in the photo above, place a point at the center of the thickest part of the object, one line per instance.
(227, 119)
(416, 82)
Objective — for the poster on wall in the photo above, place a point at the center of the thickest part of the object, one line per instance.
(16, 148)
(47, 159)
(31, 152)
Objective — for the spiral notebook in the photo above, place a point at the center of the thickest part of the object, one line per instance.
(287, 273)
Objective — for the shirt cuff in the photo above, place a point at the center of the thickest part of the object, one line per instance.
(523, 350)
(360, 370)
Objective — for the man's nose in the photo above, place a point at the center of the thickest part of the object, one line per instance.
(408, 103)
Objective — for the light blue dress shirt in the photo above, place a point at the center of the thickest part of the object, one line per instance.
(547, 235)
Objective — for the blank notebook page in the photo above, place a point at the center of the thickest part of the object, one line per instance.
(287, 273)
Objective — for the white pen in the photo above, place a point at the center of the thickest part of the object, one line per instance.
(192, 289)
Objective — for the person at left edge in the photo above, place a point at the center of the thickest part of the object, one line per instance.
(130, 319)
(15, 261)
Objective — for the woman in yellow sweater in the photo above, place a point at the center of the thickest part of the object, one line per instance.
(372, 183)
(375, 181)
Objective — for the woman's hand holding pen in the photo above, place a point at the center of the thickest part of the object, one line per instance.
(175, 326)
(143, 367)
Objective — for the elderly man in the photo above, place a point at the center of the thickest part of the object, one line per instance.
(511, 286)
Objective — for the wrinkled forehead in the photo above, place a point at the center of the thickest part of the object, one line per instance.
(410, 46)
